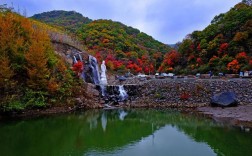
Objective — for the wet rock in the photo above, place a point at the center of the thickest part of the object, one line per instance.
(122, 78)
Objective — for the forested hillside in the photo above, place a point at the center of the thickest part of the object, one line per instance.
(224, 46)
(31, 74)
(124, 48)
(70, 20)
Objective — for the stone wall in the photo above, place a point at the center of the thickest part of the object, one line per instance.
(132, 90)
(190, 92)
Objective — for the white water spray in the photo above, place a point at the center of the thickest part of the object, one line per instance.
(122, 93)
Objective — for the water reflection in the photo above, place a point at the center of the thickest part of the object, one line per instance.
(122, 132)
(104, 121)
(122, 114)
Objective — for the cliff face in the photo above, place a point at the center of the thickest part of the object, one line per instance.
(66, 51)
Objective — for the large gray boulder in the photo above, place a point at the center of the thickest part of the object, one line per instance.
(122, 78)
(224, 99)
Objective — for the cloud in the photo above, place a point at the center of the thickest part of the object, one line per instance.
(168, 21)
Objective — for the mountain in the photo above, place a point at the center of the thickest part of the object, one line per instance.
(123, 47)
(70, 20)
(223, 46)
(173, 45)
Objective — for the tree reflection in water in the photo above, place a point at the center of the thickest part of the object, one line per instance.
(131, 131)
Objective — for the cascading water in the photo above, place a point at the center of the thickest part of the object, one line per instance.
(103, 90)
(94, 69)
(74, 59)
(91, 74)
(122, 93)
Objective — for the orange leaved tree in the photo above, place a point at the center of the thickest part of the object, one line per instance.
(6, 72)
(37, 69)
(234, 66)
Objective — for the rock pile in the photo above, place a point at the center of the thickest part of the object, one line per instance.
(190, 92)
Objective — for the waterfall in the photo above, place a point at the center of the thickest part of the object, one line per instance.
(122, 93)
(75, 56)
(103, 90)
(94, 68)
(74, 59)
(80, 57)
(90, 73)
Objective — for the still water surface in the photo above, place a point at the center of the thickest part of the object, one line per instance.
(122, 132)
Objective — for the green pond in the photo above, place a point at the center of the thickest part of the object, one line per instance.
(130, 132)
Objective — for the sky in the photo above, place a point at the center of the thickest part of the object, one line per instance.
(167, 21)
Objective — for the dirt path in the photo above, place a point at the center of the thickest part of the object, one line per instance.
(237, 116)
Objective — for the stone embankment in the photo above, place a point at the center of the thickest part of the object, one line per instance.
(190, 92)
(196, 93)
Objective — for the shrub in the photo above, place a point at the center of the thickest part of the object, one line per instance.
(184, 96)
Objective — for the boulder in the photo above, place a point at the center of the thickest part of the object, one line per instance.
(91, 90)
(122, 78)
(224, 99)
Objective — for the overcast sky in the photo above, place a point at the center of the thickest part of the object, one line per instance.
(168, 21)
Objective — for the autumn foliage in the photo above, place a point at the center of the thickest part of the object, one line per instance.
(6, 73)
(30, 70)
(234, 66)
(223, 46)
(37, 69)
(171, 59)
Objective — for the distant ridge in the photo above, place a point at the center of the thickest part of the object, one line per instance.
(70, 20)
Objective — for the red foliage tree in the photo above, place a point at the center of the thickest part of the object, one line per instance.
(250, 64)
(98, 57)
(170, 60)
(191, 58)
(134, 67)
(78, 67)
(223, 48)
(185, 96)
(242, 57)
(199, 61)
(214, 61)
(198, 47)
(192, 47)
(234, 66)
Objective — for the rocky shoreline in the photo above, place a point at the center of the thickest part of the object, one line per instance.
(188, 95)
(195, 94)
(240, 116)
